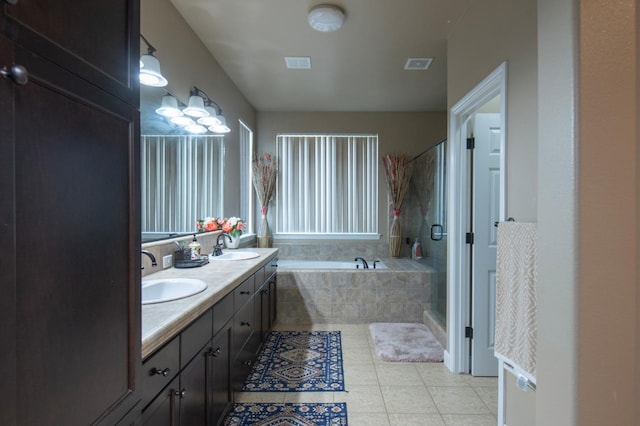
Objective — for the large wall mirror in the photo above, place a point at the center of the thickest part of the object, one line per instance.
(181, 174)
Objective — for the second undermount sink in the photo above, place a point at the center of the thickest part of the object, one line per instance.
(236, 255)
(167, 289)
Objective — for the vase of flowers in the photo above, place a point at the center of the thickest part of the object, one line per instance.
(397, 168)
(232, 226)
(265, 172)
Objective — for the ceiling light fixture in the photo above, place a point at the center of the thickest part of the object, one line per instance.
(150, 74)
(326, 18)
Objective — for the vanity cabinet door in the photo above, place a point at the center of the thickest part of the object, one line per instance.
(273, 300)
(76, 158)
(98, 39)
(265, 305)
(193, 389)
(163, 410)
(220, 378)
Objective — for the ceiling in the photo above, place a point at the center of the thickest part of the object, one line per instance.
(357, 68)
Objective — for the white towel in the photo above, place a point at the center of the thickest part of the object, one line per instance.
(516, 329)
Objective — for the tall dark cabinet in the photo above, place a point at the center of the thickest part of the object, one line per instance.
(69, 213)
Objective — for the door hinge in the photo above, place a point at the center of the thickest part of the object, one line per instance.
(471, 143)
(468, 238)
(468, 332)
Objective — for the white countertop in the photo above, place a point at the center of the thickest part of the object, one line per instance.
(162, 321)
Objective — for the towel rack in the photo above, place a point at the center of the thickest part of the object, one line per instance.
(508, 220)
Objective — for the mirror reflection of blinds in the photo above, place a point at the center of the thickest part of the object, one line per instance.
(181, 181)
(328, 184)
(245, 139)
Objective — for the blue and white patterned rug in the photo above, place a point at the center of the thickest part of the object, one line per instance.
(288, 414)
(298, 361)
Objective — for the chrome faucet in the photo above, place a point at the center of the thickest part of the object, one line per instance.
(217, 249)
(365, 265)
(152, 257)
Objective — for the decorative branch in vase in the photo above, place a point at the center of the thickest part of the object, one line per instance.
(265, 172)
(397, 168)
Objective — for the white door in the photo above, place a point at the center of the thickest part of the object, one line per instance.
(485, 213)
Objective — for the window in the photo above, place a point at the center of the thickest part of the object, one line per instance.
(246, 194)
(328, 184)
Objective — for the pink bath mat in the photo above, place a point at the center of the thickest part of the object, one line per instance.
(405, 342)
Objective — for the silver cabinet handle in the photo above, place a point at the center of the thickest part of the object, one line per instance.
(15, 72)
(165, 372)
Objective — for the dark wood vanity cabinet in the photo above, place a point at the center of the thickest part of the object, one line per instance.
(69, 215)
(191, 380)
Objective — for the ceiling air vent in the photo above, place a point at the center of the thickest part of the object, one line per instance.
(417, 64)
(298, 62)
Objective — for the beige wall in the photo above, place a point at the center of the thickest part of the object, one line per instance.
(186, 63)
(494, 31)
(410, 132)
(608, 192)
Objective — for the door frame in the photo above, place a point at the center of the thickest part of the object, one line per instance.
(456, 357)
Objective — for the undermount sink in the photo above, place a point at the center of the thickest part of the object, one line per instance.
(236, 255)
(167, 289)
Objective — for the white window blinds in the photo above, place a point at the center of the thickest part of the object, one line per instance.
(181, 181)
(328, 184)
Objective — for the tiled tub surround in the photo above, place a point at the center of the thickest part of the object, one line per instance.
(399, 293)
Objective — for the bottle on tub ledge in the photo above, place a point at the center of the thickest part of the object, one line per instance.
(416, 250)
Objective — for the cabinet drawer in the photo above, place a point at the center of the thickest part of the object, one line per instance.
(243, 293)
(194, 337)
(222, 313)
(159, 369)
(243, 326)
(270, 268)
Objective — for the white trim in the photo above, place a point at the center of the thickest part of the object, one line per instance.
(458, 254)
(247, 209)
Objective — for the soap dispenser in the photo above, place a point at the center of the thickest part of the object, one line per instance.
(416, 250)
(195, 248)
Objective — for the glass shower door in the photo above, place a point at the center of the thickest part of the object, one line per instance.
(428, 199)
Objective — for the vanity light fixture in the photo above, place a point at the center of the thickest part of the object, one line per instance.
(169, 107)
(196, 106)
(326, 18)
(150, 74)
(195, 128)
(201, 107)
(211, 119)
(222, 127)
(216, 113)
(181, 120)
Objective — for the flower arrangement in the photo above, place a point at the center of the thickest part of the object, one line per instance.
(232, 225)
(398, 168)
(265, 171)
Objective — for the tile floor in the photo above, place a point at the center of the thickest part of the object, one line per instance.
(396, 394)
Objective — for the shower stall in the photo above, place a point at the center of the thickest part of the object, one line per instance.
(425, 211)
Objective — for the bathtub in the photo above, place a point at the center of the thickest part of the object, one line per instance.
(311, 292)
(323, 264)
